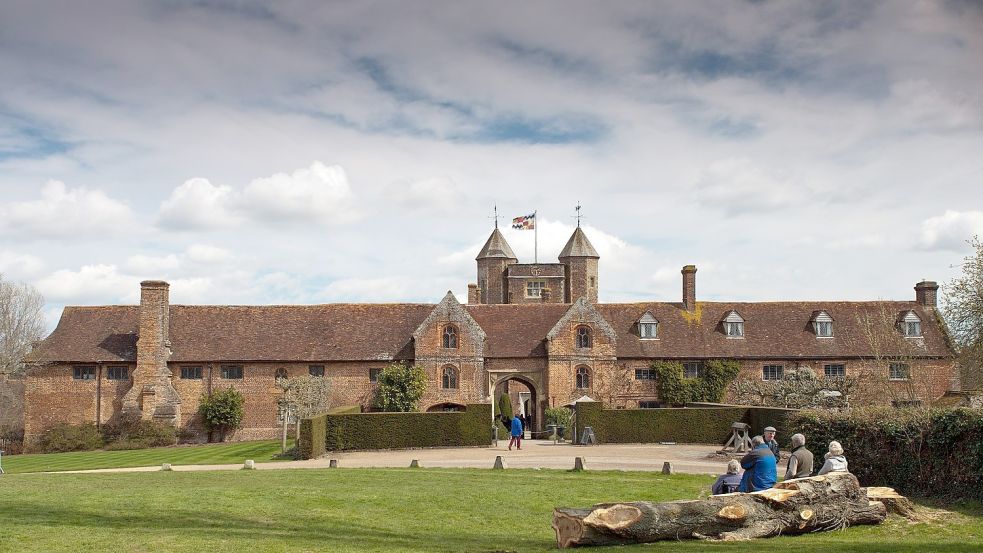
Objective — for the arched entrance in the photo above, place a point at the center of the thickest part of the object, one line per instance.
(523, 397)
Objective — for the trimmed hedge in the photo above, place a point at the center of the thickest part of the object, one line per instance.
(336, 432)
(916, 451)
(685, 425)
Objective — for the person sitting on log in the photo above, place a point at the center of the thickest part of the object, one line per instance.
(760, 467)
(835, 461)
(730, 482)
(800, 462)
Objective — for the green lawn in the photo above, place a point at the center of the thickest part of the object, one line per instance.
(379, 510)
(211, 454)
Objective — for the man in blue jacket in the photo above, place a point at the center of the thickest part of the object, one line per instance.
(760, 467)
(516, 433)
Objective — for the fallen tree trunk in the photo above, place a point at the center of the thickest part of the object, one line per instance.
(797, 506)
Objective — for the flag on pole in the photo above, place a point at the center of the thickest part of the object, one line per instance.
(526, 222)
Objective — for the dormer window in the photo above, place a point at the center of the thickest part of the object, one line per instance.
(734, 325)
(450, 337)
(648, 327)
(822, 324)
(911, 325)
(583, 337)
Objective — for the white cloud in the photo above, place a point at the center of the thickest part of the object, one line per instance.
(63, 212)
(198, 204)
(99, 283)
(373, 290)
(205, 254)
(318, 193)
(435, 194)
(18, 265)
(951, 230)
(150, 265)
(737, 186)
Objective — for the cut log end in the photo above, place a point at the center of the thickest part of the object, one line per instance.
(614, 518)
(734, 512)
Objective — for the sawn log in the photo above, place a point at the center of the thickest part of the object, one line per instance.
(797, 506)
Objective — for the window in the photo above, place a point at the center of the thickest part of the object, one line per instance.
(906, 403)
(692, 369)
(231, 372)
(316, 370)
(899, 371)
(534, 288)
(450, 337)
(772, 372)
(117, 373)
(822, 324)
(281, 373)
(583, 337)
(374, 375)
(734, 325)
(583, 378)
(648, 327)
(84, 373)
(911, 325)
(835, 371)
(449, 378)
(644, 374)
(191, 373)
(648, 404)
(592, 283)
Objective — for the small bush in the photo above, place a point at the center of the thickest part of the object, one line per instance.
(135, 433)
(69, 437)
(400, 387)
(12, 440)
(222, 411)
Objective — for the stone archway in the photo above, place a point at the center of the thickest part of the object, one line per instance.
(536, 402)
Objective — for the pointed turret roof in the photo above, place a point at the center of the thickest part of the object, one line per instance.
(579, 246)
(496, 246)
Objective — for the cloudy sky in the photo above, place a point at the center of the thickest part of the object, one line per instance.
(313, 152)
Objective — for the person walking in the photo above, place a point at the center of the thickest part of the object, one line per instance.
(760, 467)
(516, 433)
(730, 482)
(835, 461)
(769, 436)
(800, 461)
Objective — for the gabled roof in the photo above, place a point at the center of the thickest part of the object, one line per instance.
(578, 246)
(517, 330)
(496, 246)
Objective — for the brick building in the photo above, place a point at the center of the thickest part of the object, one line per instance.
(537, 324)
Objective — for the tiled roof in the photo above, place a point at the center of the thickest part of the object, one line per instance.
(496, 246)
(348, 332)
(578, 246)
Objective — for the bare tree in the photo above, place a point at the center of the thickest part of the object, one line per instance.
(891, 358)
(798, 388)
(963, 308)
(303, 397)
(21, 324)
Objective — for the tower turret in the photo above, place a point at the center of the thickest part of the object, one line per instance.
(580, 261)
(493, 259)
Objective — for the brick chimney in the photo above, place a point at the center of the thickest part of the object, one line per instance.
(546, 295)
(926, 293)
(689, 287)
(152, 395)
(474, 294)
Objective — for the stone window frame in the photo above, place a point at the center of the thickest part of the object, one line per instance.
(772, 372)
(232, 372)
(583, 337)
(374, 375)
(191, 372)
(449, 337)
(84, 372)
(583, 377)
(534, 288)
(316, 370)
(114, 372)
(897, 371)
(834, 368)
(449, 378)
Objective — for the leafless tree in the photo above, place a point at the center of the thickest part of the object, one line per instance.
(21, 324)
(887, 346)
(963, 308)
(303, 397)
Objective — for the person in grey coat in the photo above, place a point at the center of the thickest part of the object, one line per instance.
(800, 461)
(835, 461)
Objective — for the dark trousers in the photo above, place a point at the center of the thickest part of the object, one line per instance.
(517, 440)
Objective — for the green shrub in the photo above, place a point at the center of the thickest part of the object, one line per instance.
(311, 442)
(917, 451)
(222, 411)
(70, 437)
(400, 387)
(560, 416)
(504, 410)
(675, 389)
(131, 432)
(13, 439)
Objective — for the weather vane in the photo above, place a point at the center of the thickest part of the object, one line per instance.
(495, 216)
(578, 215)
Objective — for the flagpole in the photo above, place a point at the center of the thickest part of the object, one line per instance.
(535, 240)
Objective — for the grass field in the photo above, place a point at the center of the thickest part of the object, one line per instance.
(212, 454)
(380, 510)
